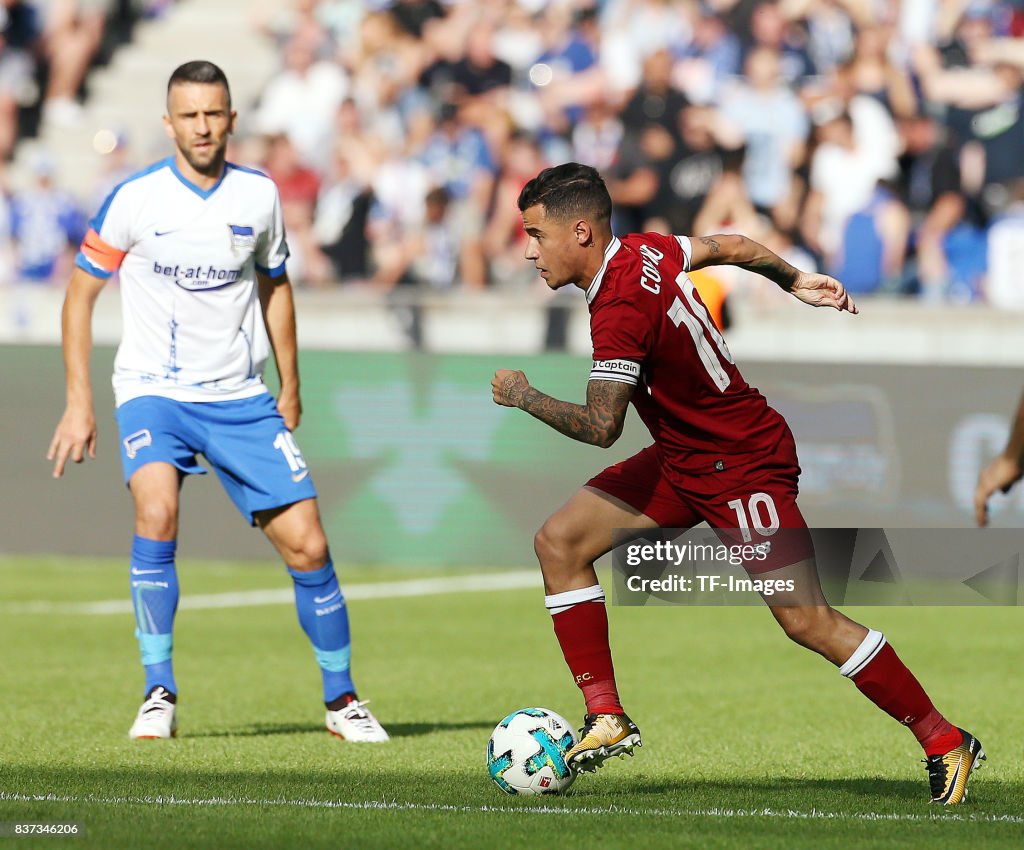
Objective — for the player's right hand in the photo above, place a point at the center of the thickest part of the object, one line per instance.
(508, 386)
(74, 436)
(1001, 474)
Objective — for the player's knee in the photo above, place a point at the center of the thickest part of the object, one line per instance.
(805, 626)
(550, 545)
(156, 519)
(559, 546)
(308, 552)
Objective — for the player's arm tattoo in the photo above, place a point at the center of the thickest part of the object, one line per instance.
(736, 250)
(774, 268)
(712, 244)
(598, 422)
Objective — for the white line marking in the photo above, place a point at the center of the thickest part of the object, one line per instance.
(547, 809)
(511, 580)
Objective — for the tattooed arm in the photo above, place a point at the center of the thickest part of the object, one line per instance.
(598, 422)
(818, 290)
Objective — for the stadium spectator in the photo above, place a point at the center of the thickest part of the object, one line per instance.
(831, 29)
(871, 251)
(478, 72)
(46, 224)
(385, 67)
(412, 16)
(931, 187)
(875, 75)
(399, 190)
(457, 157)
(842, 178)
(72, 35)
(774, 126)
(772, 28)
(710, 59)
(517, 41)
(637, 185)
(20, 28)
(656, 100)
(596, 137)
(874, 127)
(302, 99)
(633, 29)
(1004, 285)
(427, 255)
(504, 239)
(566, 75)
(298, 186)
(341, 218)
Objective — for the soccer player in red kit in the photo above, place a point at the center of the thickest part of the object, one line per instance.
(720, 455)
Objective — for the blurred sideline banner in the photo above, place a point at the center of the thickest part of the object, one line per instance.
(415, 465)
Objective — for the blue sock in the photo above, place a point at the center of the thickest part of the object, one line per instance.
(324, 618)
(155, 599)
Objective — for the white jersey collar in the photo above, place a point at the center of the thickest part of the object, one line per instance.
(595, 284)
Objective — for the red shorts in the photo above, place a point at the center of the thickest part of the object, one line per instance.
(751, 507)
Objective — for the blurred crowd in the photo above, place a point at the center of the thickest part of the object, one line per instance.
(878, 140)
(47, 48)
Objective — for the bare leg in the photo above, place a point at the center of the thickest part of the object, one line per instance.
(295, 531)
(155, 491)
(580, 532)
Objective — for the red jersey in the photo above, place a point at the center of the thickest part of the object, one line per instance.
(650, 329)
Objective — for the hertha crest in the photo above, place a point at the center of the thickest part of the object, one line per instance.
(242, 237)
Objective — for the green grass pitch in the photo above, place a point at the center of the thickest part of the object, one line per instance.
(748, 740)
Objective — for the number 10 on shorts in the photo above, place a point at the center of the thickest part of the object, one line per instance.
(757, 504)
(290, 449)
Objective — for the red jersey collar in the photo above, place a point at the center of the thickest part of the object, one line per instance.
(595, 284)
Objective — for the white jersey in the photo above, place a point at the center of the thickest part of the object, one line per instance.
(188, 257)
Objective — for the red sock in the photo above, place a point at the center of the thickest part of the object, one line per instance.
(887, 682)
(582, 632)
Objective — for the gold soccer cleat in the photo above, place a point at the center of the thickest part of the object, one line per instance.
(602, 737)
(948, 773)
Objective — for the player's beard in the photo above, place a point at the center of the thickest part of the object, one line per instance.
(209, 165)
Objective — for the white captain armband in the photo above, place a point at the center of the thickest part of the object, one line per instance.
(623, 371)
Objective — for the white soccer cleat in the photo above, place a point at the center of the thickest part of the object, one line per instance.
(156, 717)
(355, 723)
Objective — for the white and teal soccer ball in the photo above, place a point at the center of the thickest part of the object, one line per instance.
(526, 753)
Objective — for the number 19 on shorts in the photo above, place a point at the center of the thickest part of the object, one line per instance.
(286, 444)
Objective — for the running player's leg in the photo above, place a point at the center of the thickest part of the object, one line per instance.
(861, 654)
(567, 546)
(866, 657)
(629, 495)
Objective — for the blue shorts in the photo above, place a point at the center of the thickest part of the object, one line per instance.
(245, 441)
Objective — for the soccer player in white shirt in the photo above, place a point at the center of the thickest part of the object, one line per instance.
(200, 247)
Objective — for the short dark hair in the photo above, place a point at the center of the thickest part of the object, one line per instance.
(568, 190)
(199, 71)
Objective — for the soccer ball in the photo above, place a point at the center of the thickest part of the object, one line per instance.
(526, 753)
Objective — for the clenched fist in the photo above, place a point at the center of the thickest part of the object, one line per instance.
(508, 386)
